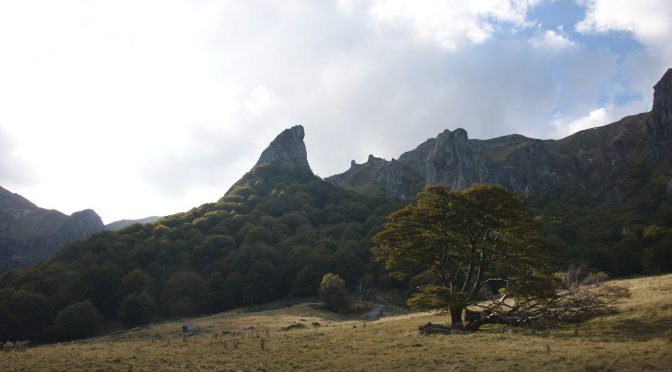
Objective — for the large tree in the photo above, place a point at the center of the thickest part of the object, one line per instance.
(457, 243)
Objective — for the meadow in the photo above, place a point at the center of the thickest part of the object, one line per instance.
(637, 336)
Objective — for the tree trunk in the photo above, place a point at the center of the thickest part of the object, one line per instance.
(456, 317)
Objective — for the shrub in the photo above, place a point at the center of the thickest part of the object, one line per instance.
(78, 320)
(333, 293)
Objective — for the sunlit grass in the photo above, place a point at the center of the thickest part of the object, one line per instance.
(632, 339)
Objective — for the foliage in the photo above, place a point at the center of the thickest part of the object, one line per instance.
(275, 233)
(78, 320)
(466, 240)
(333, 293)
(137, 308)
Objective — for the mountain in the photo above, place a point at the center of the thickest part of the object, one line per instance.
(274, 234)
(121, 224)
(29, 234)
(602, 196)
(603, 164)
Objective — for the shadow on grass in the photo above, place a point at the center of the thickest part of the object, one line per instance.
(280, 304)
(618, 330)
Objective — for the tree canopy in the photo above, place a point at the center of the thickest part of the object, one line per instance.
(456, 244)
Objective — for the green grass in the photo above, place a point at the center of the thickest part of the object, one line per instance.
(634, 338)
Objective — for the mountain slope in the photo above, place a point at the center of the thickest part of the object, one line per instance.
(29, 234)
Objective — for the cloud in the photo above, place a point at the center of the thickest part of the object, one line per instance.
(13, 169)
(650, 21)
(262, 99)
(551, 40)
(451, 23)
(597, 117)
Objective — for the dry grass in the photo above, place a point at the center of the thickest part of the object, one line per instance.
(635, 338)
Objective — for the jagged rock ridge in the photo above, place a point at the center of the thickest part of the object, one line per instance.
(596, 161)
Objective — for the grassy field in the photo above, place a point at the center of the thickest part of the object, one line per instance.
(637, 337)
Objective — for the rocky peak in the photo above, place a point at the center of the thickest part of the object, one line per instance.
(662, 98)
(450, 161)
(88, 217)
(287, 149)
(81, 225)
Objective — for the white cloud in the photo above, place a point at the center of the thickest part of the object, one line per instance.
(262, 99)
(650, 21)
(451, 22)
(13, 169)
(549, 39)
(597, 117)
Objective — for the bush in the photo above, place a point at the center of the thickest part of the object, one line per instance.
(137, 308)
(78, 320)
(333, 293)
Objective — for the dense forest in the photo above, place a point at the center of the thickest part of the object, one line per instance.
(633, 239)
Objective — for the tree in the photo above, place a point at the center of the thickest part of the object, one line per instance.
(78, 320)
(482, 236)
(261, 283)
(137, 308)
(183, 293)
(334, 293)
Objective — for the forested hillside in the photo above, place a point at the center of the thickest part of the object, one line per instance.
(274, 234)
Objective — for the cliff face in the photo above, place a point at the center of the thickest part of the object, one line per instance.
(29, 234)
(601, 163)
(287, 149)
(396, 179)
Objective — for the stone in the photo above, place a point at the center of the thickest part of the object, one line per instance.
(287, 149)
(377, 312)
(190, 328)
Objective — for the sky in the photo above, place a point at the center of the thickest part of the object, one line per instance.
(140, 108)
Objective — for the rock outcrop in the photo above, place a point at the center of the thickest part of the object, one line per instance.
(287, 149)
(451, 161)
(393, 178)
(662, 98)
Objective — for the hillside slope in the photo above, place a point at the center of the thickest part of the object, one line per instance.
(29, 234)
